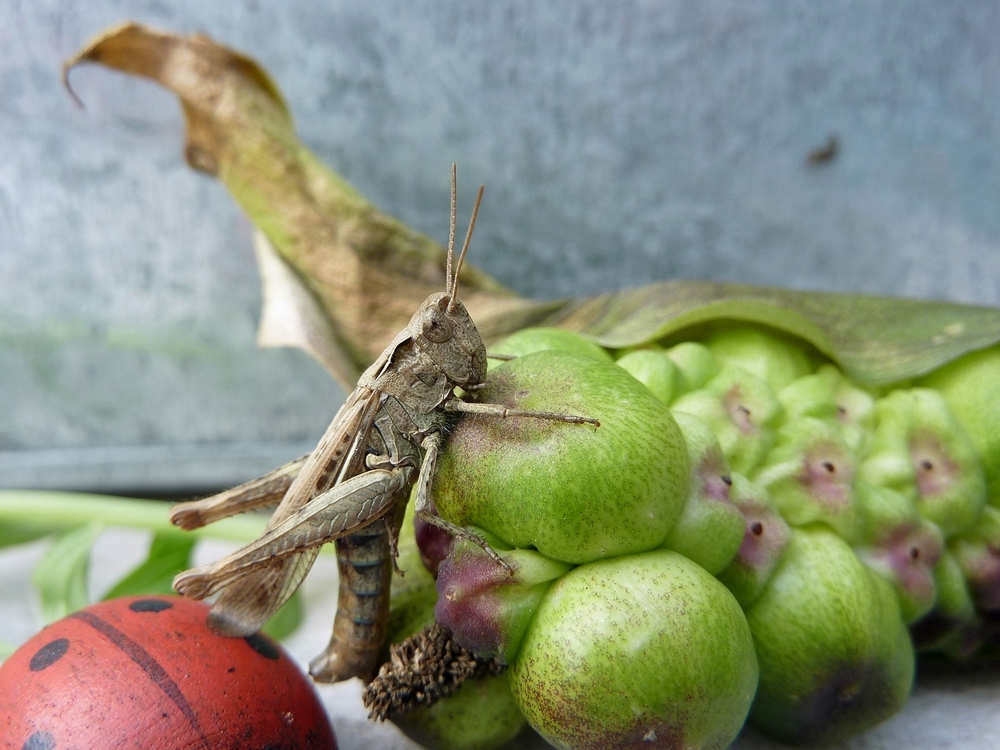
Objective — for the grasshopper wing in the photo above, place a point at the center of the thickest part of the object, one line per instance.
(245, 605)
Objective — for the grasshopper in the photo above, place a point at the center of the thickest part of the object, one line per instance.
(352, 489)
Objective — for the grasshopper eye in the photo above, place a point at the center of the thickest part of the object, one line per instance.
(436, 327)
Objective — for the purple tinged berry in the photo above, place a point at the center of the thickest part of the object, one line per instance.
(900, 546)
(765, 537)
(978, 554)
(835, 657)
(487, 606)
(953, 608)
(482, 714)
(710, 528)
(919, 449)
(742, 412)
(906, 559)
(433, 543)
(810, 475)
(971, 386)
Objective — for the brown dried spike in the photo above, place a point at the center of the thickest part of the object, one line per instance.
(421, 670)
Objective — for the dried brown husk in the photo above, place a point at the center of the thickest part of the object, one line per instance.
(368, 272)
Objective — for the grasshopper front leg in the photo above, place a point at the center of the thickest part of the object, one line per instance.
(422, 508)
(343, 509)
(432, 445)
(504, 412)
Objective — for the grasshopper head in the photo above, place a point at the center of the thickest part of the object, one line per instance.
(443, 330)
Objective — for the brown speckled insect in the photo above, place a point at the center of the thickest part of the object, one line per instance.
(353, 487)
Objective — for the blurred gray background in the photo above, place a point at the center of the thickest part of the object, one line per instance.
(621, 143)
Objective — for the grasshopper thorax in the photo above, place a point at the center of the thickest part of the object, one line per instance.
(442, 329)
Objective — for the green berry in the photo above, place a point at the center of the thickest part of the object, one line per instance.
(810, 475)
(530, 340)
(773, 357)
(835, 658)
(655, 370)
(646, 650)
(710, 529)
(920, 450)
(695, 363)
(573, 492)
(971, 386)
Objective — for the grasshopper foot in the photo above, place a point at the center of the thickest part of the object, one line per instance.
(196, 584)
(187, 515)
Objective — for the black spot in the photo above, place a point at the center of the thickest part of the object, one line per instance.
(149, 605)
(727, 480)
(231, 670)
(39, 741)
(828, 465)
(48, 654)
(263, 645)
(756, 528)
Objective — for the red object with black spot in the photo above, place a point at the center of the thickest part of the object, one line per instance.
(146, 672)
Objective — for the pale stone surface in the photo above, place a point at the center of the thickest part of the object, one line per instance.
(621, 143)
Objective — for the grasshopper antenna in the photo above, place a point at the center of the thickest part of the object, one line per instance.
(448, 283)
(465, 248)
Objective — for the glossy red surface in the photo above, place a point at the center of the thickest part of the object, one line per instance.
(145, 672)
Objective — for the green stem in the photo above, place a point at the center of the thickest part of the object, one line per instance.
(67, 509)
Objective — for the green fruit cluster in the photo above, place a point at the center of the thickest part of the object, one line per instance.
(745, 522)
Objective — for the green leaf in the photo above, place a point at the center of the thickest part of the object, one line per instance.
(367, 271)
(876, 340)
(168, 556)
(54, 510)
(287, 619)
(61, 576)
(20, 532)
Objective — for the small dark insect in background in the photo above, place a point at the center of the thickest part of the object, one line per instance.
(825, 153)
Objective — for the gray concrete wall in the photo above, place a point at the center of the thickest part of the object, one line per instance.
(621, 143)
